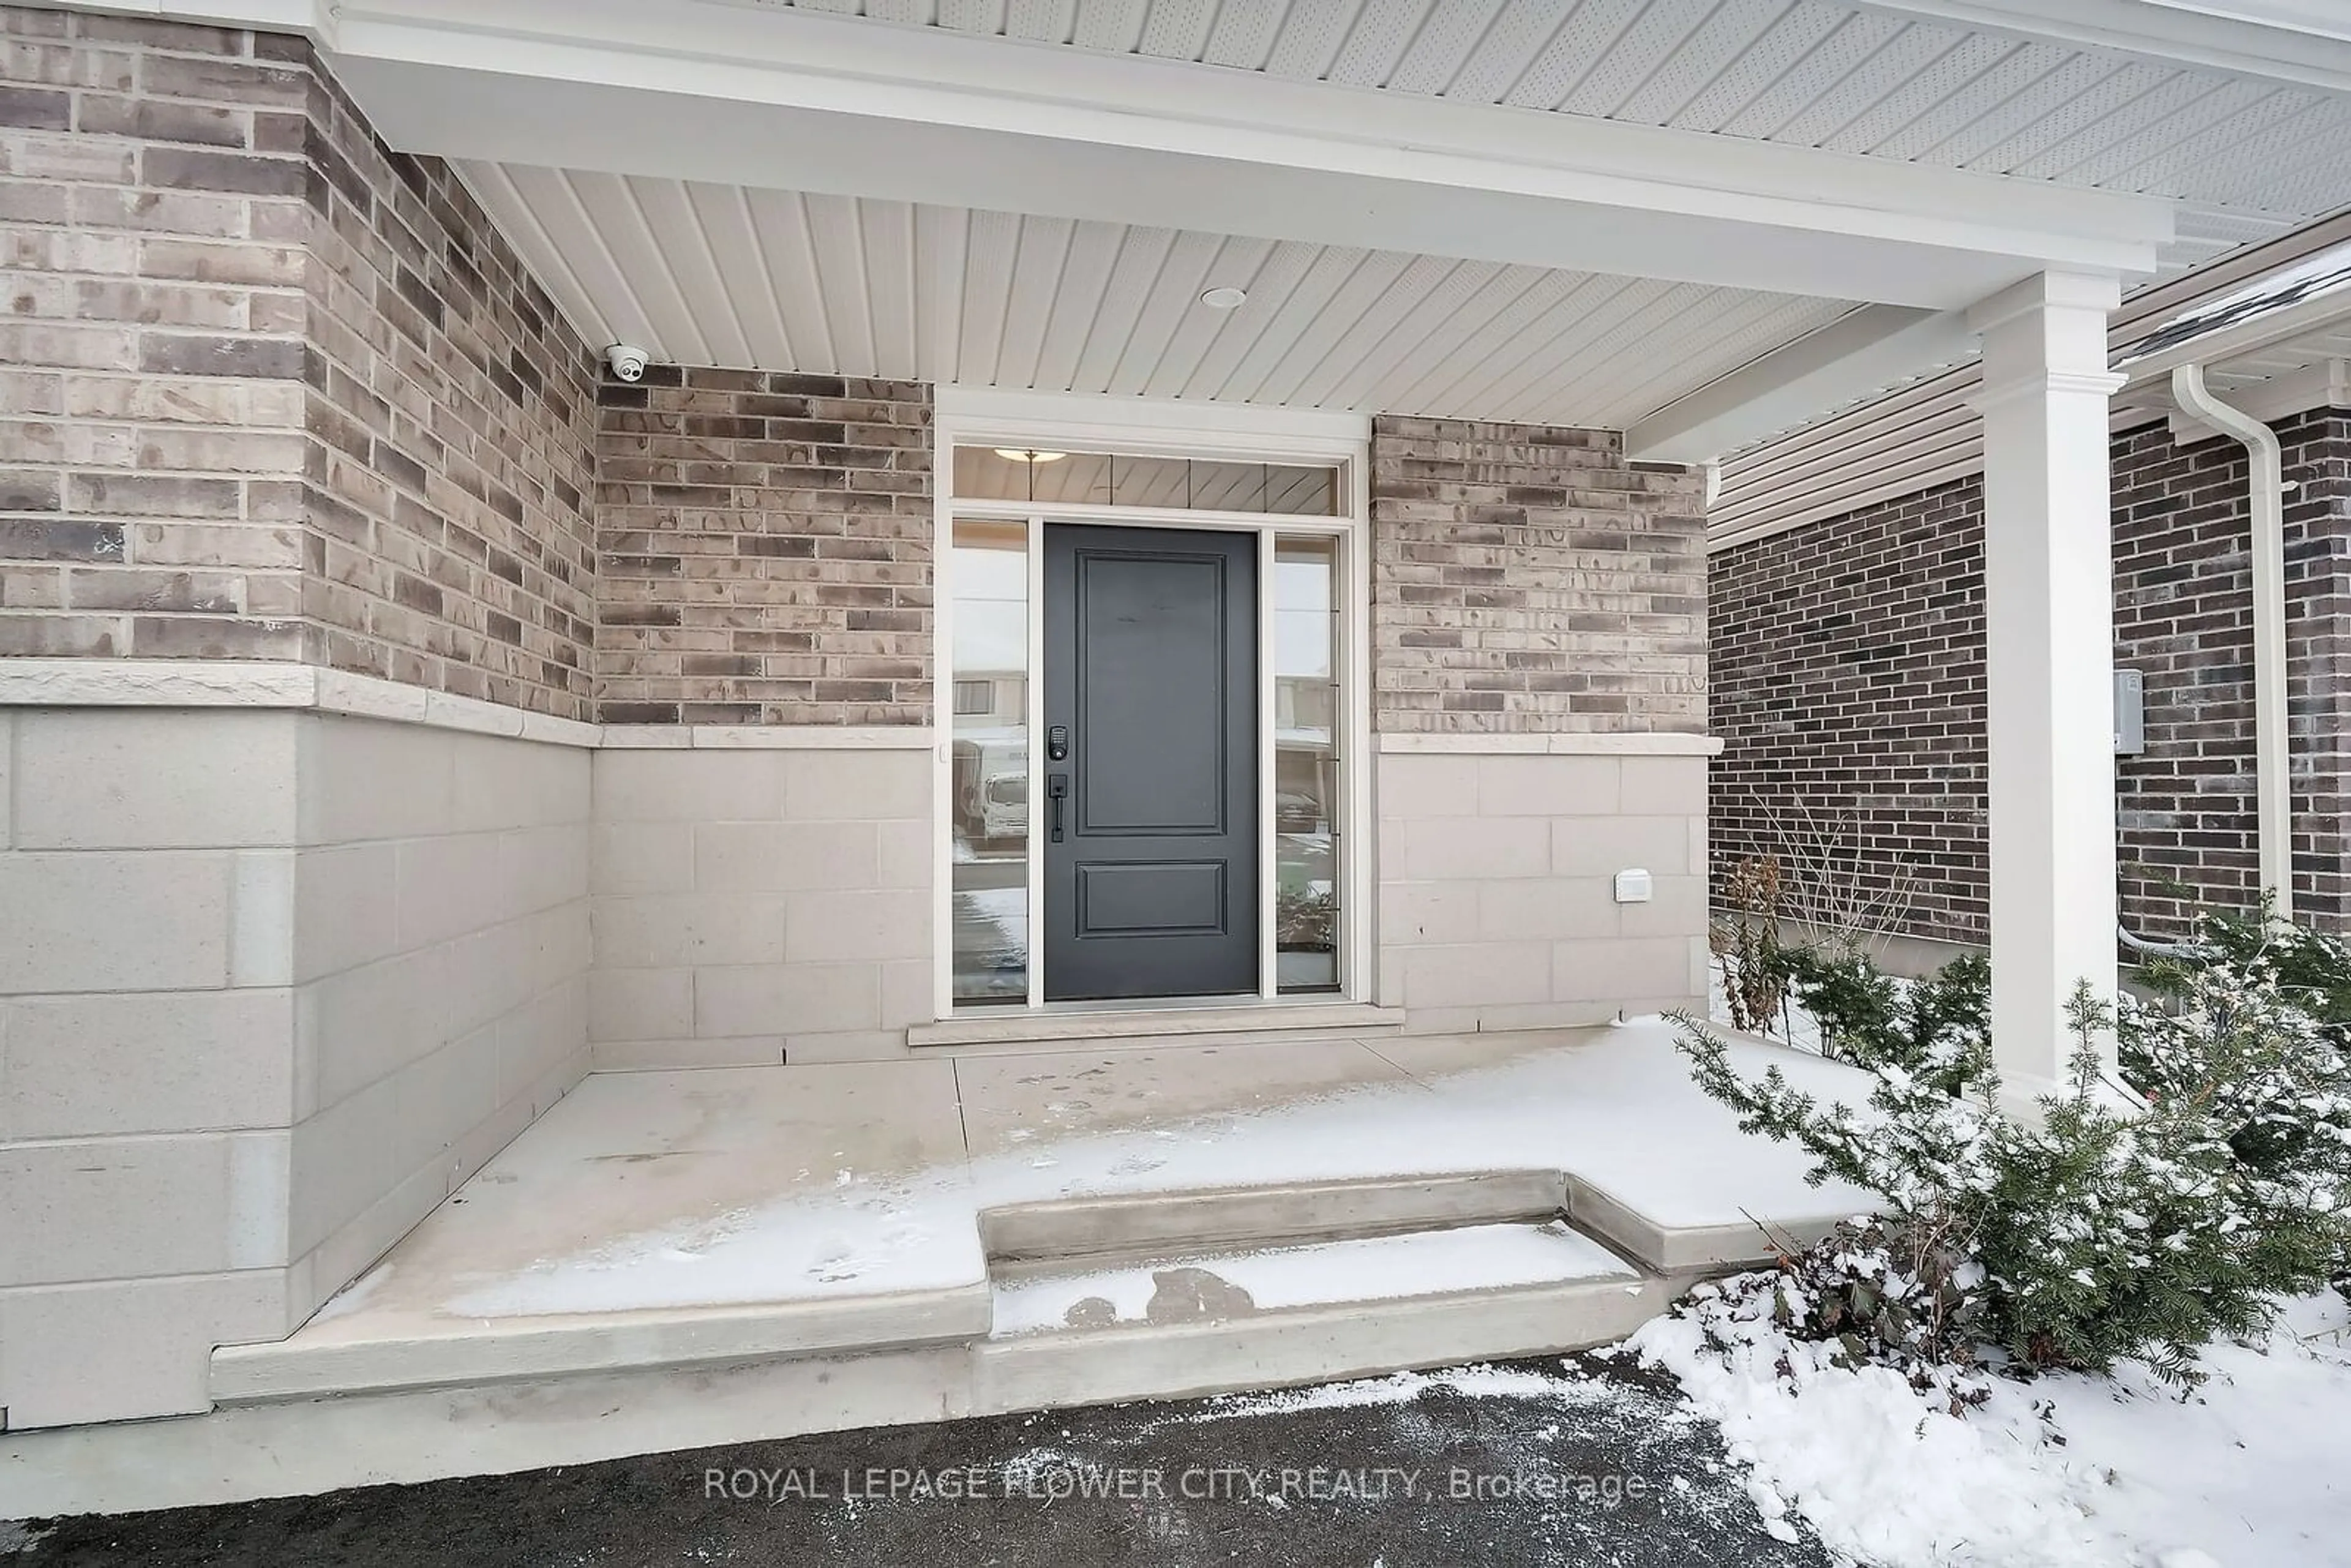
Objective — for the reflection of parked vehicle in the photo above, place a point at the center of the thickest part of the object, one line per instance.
(1004, 807)
(1296, 813)
(991, 788)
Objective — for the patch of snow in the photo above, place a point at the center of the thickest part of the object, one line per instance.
(861, 1238)
(1619, 1112)
(1377, 1268)
(19, 1535)
(1403, 1387)
(2252, 1470)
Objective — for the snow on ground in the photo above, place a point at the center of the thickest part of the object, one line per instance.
(1403, 1387)
(1378, 1268)
(1794, 1025)
(2251, 1470)
(2254, 1471)
(1619, 1112)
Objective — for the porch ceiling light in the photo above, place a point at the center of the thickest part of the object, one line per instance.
(1018, 456)
(1224, 298)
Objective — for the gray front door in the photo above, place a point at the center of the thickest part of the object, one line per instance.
(1150, 765)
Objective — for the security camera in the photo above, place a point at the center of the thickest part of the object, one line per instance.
(627, 362)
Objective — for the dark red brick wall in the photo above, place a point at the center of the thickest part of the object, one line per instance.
(2183, 614)
(1847, 662)
(1848, 687)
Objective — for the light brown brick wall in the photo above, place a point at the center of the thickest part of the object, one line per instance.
(765, 550)
(271, 391)
(1530, 580)
(454, 412)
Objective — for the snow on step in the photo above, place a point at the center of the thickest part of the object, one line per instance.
(1204, 1286)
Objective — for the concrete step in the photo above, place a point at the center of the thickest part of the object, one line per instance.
(1088, 1330)
(328, 1357)
(1142, 1224)
(1593, 1249)
(1202, 1024)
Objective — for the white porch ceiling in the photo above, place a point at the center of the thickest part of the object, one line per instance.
(1567, 211)
(721, 274)
(1878, 80)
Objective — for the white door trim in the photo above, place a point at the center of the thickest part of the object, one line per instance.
(968, 417)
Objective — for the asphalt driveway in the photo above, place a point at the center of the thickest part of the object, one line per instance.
(1583, 1463)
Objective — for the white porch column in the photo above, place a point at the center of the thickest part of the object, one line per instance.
(2049, 620)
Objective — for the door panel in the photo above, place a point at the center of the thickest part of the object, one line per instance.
(1150, 697)
(1151, 884)
(1165, 896)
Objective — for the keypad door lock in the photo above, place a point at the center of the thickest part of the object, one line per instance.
(1057, 743)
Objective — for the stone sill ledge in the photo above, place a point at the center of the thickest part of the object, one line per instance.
(1595, 743)
(237, 684)
(205, 683)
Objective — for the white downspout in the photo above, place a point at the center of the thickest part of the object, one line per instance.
(2273, 792)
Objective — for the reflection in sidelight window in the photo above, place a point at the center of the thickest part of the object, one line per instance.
(1306, 732)
(988, 814)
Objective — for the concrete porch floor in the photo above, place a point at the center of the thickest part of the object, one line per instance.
(726, 1253)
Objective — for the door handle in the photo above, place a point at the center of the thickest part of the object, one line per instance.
(1057, 790)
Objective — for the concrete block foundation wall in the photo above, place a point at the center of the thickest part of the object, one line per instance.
(1497, 903)
(441, 971)
(1848, 670)
(271, 984)
(1538, 621)
(761, 905)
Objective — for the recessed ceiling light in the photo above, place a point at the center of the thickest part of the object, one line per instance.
(1224, 298)
(1020, 455)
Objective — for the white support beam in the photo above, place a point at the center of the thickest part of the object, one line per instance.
(2049, 661)
(2306, 42)
(1853, 358)
(780, 99)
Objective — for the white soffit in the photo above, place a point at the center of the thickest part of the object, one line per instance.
(770, 98)
(2216, 103)
(725, 274)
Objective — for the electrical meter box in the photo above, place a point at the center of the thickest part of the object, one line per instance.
(2130, 713)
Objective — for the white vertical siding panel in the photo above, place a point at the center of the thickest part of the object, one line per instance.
(1085, 275)
(781, 224)
(1235, 264)
(1270, 291)
(724, 217)
(990, 249)
(1041, 252)
(837, 247)
(1445, 39)
(1173, 296)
